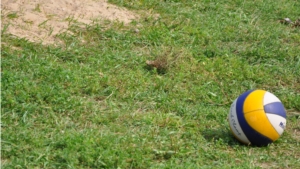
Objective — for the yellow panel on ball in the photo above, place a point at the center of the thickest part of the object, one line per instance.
(254, 101)
(259, 121)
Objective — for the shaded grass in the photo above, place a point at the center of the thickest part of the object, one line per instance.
(95, 105)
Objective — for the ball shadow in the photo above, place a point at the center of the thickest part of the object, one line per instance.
(220, 136)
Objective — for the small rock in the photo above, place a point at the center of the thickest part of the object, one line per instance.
(286, 21)
(160, 63)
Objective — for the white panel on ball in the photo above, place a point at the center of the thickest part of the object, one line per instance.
(270, 98)
(277, 122)
(235, 125)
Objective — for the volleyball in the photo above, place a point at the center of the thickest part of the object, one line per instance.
(257, 117)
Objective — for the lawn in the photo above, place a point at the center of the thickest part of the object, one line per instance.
(93, 102)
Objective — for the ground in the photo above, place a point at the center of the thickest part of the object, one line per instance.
(42, 20)
(151, 91)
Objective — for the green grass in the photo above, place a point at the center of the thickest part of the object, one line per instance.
(97, 105)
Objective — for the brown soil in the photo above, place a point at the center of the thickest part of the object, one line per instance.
(42, 20)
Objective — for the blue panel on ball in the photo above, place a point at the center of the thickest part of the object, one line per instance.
(275, 108)
(253, 136)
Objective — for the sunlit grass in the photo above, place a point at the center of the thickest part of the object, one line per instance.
(94, 102)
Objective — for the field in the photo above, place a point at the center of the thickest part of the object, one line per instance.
(154, 93)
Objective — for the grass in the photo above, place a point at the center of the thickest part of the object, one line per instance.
(12, 15)
(96, 104)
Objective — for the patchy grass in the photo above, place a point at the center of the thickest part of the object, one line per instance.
(12, 15)
(94, 103)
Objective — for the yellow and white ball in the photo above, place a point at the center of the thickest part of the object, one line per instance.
(257, 117)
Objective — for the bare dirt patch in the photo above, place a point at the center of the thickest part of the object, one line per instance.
(41, 20)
